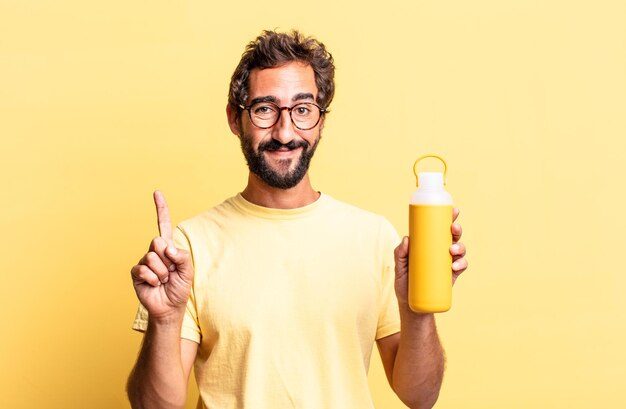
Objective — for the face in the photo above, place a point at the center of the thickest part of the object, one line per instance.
(280, 155)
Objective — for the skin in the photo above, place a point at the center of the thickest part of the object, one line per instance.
(284, 84)
(162, 281)
(413, 359)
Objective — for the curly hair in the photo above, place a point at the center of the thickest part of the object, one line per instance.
(272, 49)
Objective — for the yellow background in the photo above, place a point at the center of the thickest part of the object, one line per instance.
(103, 102)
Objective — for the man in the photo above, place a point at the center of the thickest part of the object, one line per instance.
(278, 294)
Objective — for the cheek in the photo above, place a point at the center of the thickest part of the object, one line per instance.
(313, 136)
(254, 136)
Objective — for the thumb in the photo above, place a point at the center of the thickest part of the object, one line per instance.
(401, 255)
(402, 251)
(182, 260)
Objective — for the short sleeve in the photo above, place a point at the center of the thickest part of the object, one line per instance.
(190, 328)
(389, 314)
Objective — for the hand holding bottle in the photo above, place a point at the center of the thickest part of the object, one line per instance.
(433, 249)
(457, 249)
(164, 275)
(401, 254)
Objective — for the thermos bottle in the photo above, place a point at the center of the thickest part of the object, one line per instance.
(430, 238)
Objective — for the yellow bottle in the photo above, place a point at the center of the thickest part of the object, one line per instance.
(430, 262)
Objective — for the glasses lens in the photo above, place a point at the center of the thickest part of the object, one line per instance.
(264, 114)
(305, 115)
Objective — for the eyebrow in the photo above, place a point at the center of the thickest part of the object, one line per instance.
(269, 98)
(302, 95)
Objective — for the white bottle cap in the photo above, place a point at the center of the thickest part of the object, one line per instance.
(430, 180)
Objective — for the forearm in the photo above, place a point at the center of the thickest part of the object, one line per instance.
(158, 379)
(419, 363)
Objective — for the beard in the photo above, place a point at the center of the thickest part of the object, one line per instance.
(286, 179)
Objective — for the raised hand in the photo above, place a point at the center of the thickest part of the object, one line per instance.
(164, 275)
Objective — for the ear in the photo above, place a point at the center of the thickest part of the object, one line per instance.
(232, 113)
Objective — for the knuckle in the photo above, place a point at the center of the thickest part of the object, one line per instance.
(134, 271)
(151, 258)
(141, 272)
(156, 258)
(460, 265)
(398, 249)
(149, 276)
(159, 244)
(143, 260)
(156, 263)
(153, 243)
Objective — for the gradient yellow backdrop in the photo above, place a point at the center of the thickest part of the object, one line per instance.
(103, 102)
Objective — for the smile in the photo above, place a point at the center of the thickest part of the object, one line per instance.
(283, 152)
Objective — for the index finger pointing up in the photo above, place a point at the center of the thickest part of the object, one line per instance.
(163, 217)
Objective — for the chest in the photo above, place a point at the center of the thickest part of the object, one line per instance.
(288, 283)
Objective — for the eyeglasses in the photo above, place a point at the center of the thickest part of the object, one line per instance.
(304, 116)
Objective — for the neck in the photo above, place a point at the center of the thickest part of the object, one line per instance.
(261, 194)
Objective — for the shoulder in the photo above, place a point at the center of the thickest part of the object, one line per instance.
(211, 220)
(361, 218)
(347, 208)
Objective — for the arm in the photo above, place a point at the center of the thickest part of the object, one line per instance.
(161, 374)
(414, 358)
(162, 281)
(414, 361)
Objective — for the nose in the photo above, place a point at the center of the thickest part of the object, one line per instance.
(284, 131)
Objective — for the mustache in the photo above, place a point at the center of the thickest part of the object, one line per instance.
(274, 145)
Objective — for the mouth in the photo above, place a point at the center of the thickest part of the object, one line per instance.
(278, 150)
(283, 152)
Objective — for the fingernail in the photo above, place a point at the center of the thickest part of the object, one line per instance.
(166, 279)
(171, 250)
(455, 265)
(455, 247)
(172, 268)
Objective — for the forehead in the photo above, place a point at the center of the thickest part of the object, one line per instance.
(283, 82)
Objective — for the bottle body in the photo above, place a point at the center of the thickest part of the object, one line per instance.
(430, 262)
(430, 238)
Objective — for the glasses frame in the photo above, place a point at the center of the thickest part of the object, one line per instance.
(281, 109)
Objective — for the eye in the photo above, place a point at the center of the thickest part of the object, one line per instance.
(263, 109)
(302, 110)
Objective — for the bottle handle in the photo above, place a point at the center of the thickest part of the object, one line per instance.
(445, 167)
